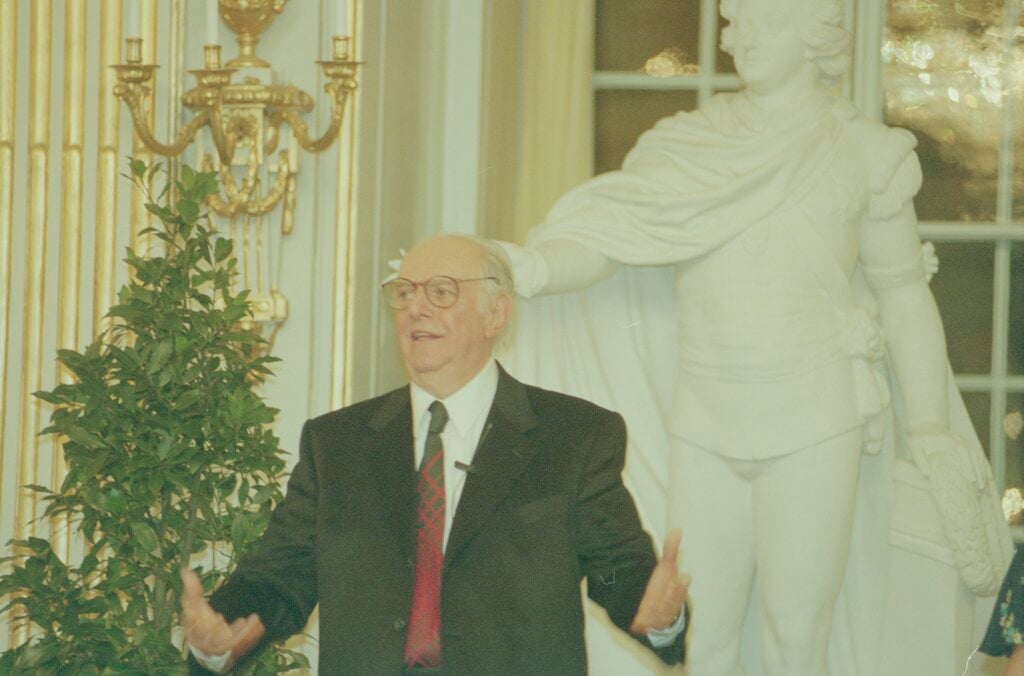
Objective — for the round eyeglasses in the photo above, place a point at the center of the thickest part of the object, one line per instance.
(442, 291)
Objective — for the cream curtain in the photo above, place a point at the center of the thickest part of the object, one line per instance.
(539, 111)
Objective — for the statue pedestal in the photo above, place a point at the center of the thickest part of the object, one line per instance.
(933, 621)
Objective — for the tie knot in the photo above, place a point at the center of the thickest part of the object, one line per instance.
(438, 418)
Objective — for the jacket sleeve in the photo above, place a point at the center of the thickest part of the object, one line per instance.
(615, 553)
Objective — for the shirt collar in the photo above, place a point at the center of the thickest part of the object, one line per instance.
(464, 406)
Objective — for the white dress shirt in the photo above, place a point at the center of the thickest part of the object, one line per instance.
(467, 413)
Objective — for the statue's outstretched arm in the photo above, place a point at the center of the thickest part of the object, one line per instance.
(556, 266)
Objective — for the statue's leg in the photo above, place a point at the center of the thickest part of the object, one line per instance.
(803, 517)
(712, 506)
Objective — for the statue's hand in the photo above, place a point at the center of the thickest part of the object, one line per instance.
(529, 269)
(936, 443)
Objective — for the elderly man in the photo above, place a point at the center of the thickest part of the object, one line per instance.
(472, 563)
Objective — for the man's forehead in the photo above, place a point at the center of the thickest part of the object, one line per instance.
(451, 256)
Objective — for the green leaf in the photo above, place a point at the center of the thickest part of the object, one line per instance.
(263, 494)
(163, 213)
(160, 354)
(189, 210)
(239, 531)
(145, 536)
(165, 445)
(222, 249)
(188, 178)
(48, 397)
(138, 167)
(83, 437)
(112, 500)
(188, 398)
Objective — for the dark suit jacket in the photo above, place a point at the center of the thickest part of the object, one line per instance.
(544, 507)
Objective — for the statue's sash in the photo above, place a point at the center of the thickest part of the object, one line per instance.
(696, 181)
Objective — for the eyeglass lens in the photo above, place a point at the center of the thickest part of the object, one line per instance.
(441, 291)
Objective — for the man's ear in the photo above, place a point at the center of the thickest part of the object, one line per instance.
(498, 315)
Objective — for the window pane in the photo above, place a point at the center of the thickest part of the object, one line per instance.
(724, 62)
(620, 116)
(943, 70)
(979, 405)
(629, 33)
(1015, 360)
(963, 290)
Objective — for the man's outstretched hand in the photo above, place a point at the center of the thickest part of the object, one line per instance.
(665, 595)
(208, 632)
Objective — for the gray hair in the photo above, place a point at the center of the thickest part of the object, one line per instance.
(498, 282)
(823, 32)
(496, 270)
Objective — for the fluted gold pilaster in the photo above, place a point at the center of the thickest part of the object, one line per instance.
(8, 81)
(35, 264)
(109, 122)
(344, 251)
(175, 75)
(141, 217)
(72, 163)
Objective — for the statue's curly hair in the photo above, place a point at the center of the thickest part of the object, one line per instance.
(827, 40)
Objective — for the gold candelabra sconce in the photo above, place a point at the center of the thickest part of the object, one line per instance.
(247, 116)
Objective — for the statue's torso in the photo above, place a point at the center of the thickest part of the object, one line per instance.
(762, 369)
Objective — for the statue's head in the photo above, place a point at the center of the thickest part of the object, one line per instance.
(811, 29)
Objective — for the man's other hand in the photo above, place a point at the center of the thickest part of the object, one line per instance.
(665, 595)
(208, 632)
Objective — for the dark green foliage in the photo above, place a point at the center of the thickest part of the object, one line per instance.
(169, 454)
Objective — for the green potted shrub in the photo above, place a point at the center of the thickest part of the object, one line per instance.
(171, 459)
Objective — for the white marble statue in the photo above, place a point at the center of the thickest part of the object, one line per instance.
(750, 291)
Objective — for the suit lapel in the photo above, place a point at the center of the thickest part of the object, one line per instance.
(395, 473)
(504, 453)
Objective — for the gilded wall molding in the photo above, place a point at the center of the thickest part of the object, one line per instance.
(69, 271)
(345, 207)
(108, 132)
(8, 82)
(140, 218)
(40, 67)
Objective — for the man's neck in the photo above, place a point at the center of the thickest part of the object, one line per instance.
(441, 387)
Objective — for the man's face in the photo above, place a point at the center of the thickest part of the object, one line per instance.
(769, 49)
(443, 348)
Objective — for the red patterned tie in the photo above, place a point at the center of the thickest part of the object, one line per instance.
(423, 642)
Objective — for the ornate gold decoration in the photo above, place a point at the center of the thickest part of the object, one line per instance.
(247, 117)
(670, 62)
(953, 73)
(1013, 505)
